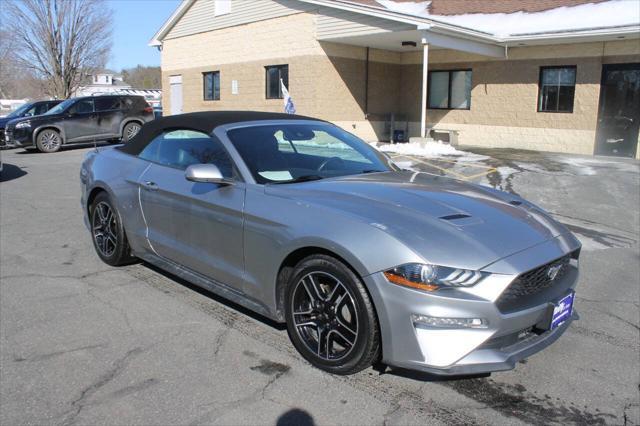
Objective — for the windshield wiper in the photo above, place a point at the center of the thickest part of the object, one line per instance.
(373, 171)
(303, 178)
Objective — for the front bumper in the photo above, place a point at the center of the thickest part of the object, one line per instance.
(508, 337)
(18, 137)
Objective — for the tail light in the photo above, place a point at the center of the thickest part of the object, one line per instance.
(148, 109)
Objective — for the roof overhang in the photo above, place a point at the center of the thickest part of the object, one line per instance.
(438, 34)
(169, 23)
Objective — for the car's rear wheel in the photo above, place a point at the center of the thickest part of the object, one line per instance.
(109, 239)
(130, 130)
(49, 140)
(330, 317)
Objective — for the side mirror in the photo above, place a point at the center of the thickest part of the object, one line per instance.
(205, 173)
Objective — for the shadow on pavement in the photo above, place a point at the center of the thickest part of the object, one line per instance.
(11, 172)
(295, 417)
(425, 377)
(217, 298)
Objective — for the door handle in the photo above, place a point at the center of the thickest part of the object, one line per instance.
(150, 186)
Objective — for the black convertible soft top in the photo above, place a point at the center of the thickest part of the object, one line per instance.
(205, 122)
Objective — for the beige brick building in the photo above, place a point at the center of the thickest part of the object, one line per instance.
(356, 63)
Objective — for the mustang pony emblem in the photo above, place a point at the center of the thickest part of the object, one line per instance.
(553, 271)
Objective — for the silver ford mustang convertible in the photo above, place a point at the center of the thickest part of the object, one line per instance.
(304, 223)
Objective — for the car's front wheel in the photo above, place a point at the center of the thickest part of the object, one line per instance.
(330, 317)
(107, 232)
(49, 140)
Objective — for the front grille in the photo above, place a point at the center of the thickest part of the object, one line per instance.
(534, 282)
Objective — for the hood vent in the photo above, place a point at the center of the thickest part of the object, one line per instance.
(515, 203)
(455, 216)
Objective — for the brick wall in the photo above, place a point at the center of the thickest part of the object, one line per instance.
(327, 80)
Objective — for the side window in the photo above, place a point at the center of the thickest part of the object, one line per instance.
(107, 104)
(180, 148)
(127, 103)
(30, 112)
(83, 106)
(42, 108)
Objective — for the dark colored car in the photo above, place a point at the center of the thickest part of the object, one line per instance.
(30, 109)
(84, 119)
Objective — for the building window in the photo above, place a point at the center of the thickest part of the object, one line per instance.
(449, 89)
(556, 89)
(211, 85)
(274, 74)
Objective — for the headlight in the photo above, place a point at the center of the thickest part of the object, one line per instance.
(23, 124)
(432, 277)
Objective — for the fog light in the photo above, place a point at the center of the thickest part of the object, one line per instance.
(441, 322)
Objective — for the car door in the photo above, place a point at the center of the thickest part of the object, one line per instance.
(109, 115)
(196, 225)
(80, 121)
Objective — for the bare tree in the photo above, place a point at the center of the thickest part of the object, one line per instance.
(62, 41)
(143, 77)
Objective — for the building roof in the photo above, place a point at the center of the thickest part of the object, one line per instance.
(461, 7)
(497, 22)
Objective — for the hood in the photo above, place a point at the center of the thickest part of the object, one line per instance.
(4, 121)
(36, 120)
(445, 221)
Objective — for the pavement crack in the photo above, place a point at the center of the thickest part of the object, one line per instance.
(49, 355)
(118, 367)
(220, 339)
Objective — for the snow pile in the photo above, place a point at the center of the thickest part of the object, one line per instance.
(430, 149)
(612, 13)
(409, 8)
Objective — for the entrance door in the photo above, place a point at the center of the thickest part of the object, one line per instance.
(619, 113)
(176, 94)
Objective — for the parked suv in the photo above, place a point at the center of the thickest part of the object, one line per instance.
(30, 109)
(81, 119)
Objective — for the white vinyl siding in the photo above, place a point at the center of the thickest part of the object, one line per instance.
(201, 16)
(333, 23)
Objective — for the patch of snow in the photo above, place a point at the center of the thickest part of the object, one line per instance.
(405, 165)
(589, 166)
(431, 149)
(606, 14)
(409, 8)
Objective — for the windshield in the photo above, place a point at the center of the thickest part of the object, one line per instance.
(297, 152)
(20, 111)
(60, 107)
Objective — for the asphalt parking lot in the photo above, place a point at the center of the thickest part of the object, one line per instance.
(81, 342)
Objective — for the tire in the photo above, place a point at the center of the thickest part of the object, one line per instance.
(342, 340)
(107, 233)
(48, 141)
(130, 130)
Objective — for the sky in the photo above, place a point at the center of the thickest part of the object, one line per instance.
(134, 23)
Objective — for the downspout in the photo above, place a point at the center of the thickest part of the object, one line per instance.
(366, 86)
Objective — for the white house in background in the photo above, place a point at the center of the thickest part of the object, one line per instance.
(9, 105)
(103, 82)
(108, 82)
